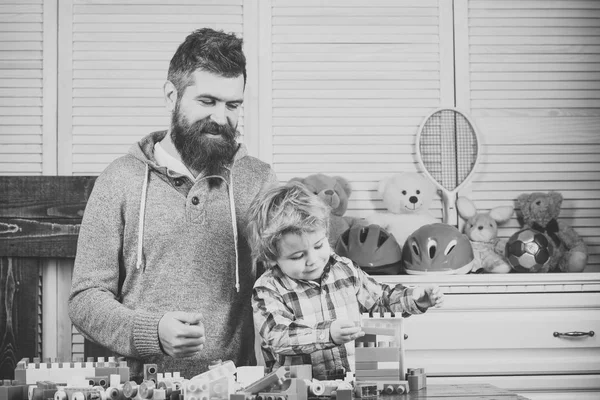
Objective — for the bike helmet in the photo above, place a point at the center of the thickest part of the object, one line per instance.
(372, 248)
(437, 249)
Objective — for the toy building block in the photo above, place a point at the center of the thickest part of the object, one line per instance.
(159, 394)
(220, 389)
(146, 389)
(416, 378)
(393, 387)
(114, 393)
(343, 394)
(196, 389)
(130, 389)
(242, 396)
(12, 390)
(274, 378)
(315, 388)
(247, 375)
(378, 375)
(98, 381)
(123, 370)
(150, 371)
(366, 390)
(272, 396)
(303, 371)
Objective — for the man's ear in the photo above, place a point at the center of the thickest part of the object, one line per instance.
(170, 93)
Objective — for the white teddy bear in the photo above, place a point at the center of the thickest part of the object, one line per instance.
(407, 196)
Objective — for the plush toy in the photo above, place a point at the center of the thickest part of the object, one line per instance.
(539, 211)
(482, 230)
(335, 192)
(407, 197)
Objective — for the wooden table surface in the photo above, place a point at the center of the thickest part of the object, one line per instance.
(456, 392)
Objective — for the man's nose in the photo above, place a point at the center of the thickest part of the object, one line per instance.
(218, 114)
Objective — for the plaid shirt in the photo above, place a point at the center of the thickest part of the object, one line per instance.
(293, 316)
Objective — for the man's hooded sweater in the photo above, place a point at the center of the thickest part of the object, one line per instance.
(154, 241)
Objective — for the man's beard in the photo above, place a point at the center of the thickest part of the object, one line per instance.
(202, 154)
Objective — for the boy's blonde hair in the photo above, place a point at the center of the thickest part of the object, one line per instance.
(290, 208)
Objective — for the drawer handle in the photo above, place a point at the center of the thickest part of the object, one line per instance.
(574, 334)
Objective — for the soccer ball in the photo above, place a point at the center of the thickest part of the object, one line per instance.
(528, 250)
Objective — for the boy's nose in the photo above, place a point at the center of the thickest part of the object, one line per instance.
(311, 258)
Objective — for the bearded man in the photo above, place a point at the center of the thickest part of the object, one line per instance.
(163, 272)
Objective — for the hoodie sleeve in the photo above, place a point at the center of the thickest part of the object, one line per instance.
(94, 304)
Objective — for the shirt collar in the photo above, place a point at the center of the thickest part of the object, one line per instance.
(164, 159)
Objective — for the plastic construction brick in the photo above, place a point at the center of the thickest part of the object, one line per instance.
(146, 389)
(366, 390)
(303, 371)
(272, 396)
(393, 387)
(416, 378)
(217, 371)
(196, 389)
(220, 389)
(343, 394)
(274, 378)
(248, 374)
(378, 375)
(150, 371)
(98, 381)
(12, 390)
(115, 393)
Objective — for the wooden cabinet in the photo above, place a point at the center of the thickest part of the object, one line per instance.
(509, 330)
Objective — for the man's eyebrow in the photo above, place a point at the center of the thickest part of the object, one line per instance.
(213, 97)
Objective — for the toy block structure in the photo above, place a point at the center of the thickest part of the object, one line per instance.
(379, 355)
(72, 372)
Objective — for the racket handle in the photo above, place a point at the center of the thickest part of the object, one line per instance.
(449, 206)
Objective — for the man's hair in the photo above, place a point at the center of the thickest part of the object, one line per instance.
(290, 208)
(208, 50)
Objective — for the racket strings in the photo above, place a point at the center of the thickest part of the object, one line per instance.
(448, 147)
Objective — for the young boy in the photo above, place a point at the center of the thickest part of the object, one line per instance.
(309, 300)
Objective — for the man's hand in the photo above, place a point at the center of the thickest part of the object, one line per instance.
(343, 331)
(181, 334)
(428, 296)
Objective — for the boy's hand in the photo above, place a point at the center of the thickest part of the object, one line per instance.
(428, 296)
(343, 331)
(181, 334)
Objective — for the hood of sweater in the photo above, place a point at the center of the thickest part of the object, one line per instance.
(144, 151)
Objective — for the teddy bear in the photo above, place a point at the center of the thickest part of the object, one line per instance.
(539, 211)
(407, 197)
(482, 230)
(335, 192)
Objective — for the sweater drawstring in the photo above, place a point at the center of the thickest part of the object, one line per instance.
(139, 261)
(235, 231)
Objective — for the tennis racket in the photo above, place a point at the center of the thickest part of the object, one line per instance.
(448, 152)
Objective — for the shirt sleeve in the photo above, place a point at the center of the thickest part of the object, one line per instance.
(279, 328)
(379, 297)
